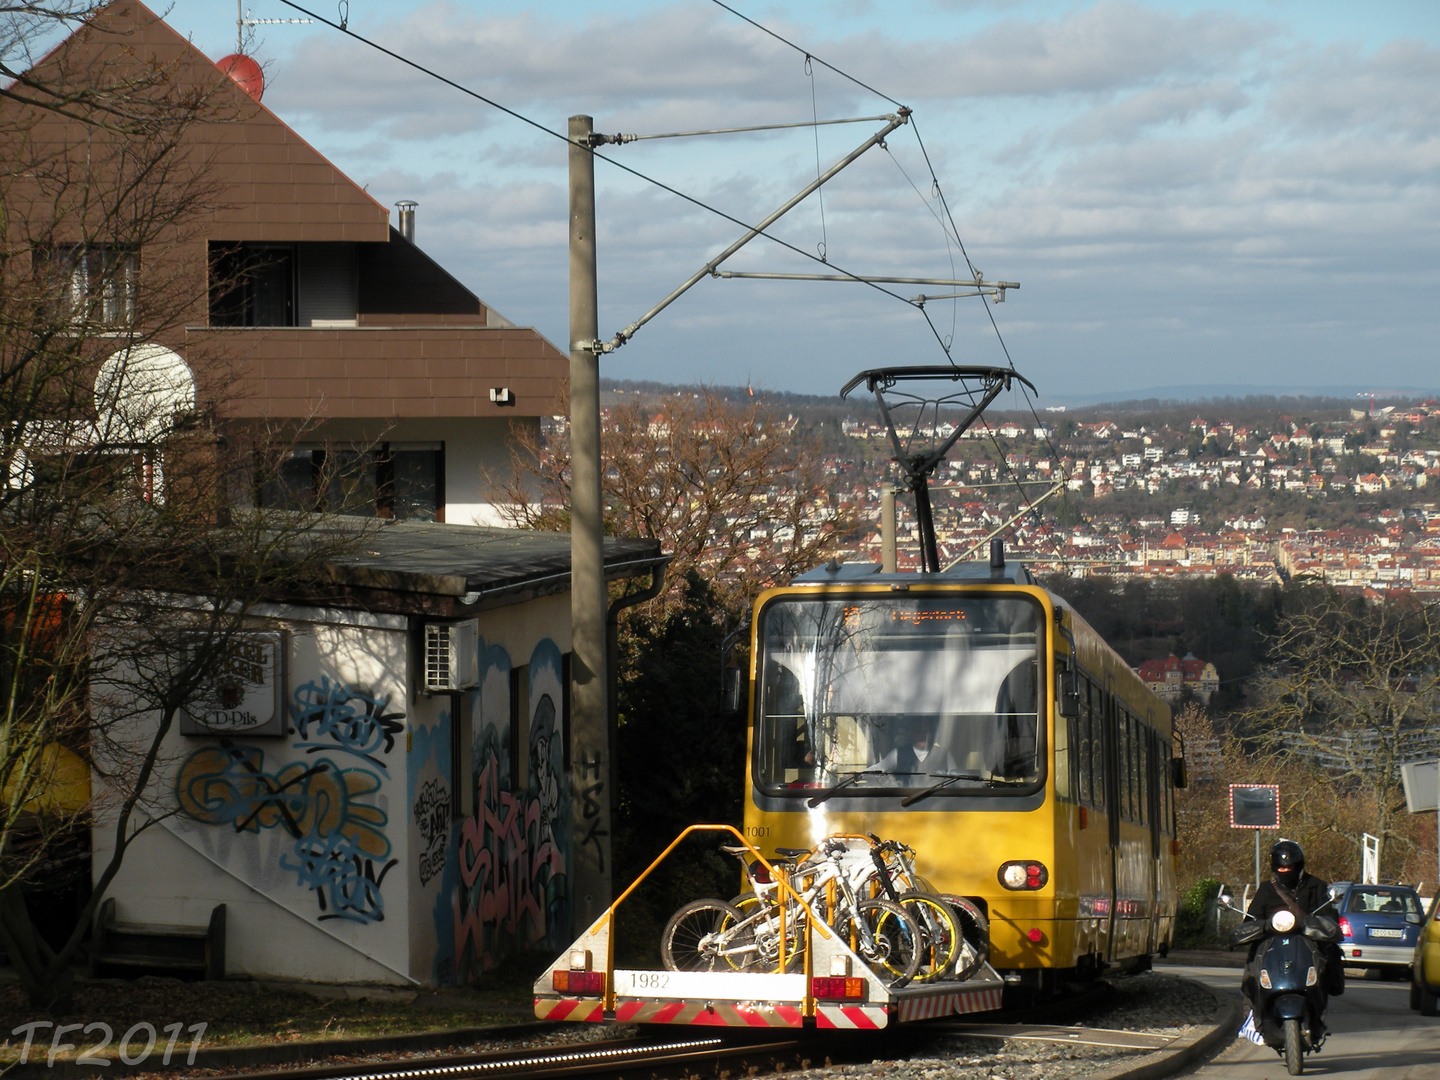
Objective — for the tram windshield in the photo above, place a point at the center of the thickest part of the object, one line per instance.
(896, 692)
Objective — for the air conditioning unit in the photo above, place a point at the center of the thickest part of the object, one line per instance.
(452, 656)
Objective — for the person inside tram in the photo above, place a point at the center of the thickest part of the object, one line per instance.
(1291, 887)
(915, 753)
(785, 707)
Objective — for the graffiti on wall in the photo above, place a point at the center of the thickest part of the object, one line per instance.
(505, 888)
(592, 777)
(340, 849)
(338, 717)
(431, 812)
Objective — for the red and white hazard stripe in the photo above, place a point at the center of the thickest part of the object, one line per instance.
(714, 1014)
(968, 1001)
(851, 1017)
(580, 1010)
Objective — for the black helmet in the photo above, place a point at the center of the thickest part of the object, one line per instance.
(1287, 859)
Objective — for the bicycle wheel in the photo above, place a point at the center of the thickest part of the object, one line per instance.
(706, 935)
(885, 937)
(940, 938)
(974, 935)
(763, 930)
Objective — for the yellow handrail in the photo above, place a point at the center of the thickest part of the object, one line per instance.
(786, 890)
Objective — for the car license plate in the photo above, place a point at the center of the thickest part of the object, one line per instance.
(1377, 932)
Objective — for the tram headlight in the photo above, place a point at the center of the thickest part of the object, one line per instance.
(1020, 874)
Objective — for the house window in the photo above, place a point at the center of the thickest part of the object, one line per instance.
(252, 284)
(95, 282)
(401, 481)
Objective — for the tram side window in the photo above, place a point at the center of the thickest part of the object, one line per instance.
(1167, 787)
(1143, 745)
(1127, 765)
(1082, 744)
(1064, 760)
(1097, 748)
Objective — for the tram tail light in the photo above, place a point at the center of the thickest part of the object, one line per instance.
(578, 982)
(1018, 874)
(837, 989)
(1084, 818)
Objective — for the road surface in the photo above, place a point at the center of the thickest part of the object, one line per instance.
(1374, 1034)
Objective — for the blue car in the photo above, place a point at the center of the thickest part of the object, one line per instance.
(1380, 924)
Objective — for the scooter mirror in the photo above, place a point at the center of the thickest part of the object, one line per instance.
(1282, 922)
(1226, 899)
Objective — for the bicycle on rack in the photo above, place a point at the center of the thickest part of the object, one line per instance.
(768, 932)
(957, 930)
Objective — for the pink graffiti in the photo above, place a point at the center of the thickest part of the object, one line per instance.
(500, 906)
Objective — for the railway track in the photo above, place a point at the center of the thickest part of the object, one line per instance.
(641, 1056)
(658, 1052)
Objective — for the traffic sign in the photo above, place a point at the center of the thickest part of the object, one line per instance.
(1254, 806)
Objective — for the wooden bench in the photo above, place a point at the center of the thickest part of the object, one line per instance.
(123, 948)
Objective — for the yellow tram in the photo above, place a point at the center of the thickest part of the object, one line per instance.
(975, 716)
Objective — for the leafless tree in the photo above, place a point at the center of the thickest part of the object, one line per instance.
(1353, 691)
(734, 492)
(124, 563)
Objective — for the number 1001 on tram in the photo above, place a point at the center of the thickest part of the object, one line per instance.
(975, 716)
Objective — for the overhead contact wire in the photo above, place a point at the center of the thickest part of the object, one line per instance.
(807, 53)
(611, 161)
(953, 231)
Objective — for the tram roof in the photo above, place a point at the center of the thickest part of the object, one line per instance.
(1012, 573)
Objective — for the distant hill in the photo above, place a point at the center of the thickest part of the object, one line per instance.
(1160, 403)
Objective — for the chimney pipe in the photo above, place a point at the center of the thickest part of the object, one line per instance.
(407, 218)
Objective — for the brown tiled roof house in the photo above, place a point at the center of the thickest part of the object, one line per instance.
(342, 322)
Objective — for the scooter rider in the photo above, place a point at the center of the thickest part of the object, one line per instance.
(1303, 894)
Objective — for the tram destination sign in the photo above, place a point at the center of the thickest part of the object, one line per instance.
(1254, 806)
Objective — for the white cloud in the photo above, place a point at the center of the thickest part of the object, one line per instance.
(1201, 187)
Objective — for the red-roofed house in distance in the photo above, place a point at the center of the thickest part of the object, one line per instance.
(1171, 677)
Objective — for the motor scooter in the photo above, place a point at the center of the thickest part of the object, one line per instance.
(1284, 981)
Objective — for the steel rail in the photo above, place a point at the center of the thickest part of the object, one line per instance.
(567, 1060)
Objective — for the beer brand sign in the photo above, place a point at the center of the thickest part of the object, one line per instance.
(246, 694)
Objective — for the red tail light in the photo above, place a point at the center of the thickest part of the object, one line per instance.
(578, 982)
(1344, 926)
(1023, 874)
(838, 988)
(759, 873)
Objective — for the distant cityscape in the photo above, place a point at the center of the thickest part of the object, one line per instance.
(1187, 510)
(1348, 495)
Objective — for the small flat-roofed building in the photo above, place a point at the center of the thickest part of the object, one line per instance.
(391, 798)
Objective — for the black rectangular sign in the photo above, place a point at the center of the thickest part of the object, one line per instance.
(1254, 806)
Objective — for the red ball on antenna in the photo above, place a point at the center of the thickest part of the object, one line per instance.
(246, 73)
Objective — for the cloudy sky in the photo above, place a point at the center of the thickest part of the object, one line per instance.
(1202, 198)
